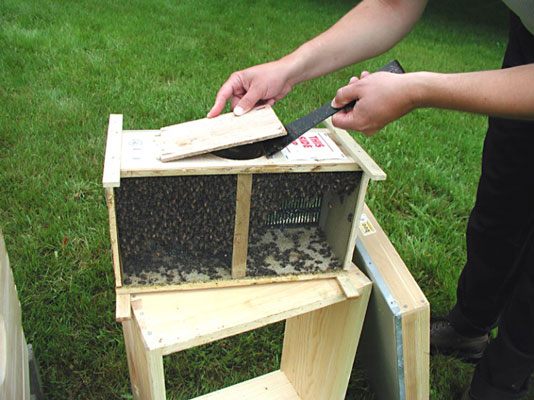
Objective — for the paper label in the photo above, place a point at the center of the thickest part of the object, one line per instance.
(365, 226)
(313, 146)
(135, 149)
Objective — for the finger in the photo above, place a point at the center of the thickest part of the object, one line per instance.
(345, 95)
(224, 93)
(248, 101)
(343, 120)
(234, 101)
(370, 132)
(270, 102)
(353, 80)
(364, 74)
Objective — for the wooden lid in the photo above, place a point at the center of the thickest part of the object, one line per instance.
(225, 131)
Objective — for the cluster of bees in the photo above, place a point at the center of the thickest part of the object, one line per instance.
(181, 227)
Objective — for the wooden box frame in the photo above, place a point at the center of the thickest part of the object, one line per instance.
(341, 235)
(323, 317)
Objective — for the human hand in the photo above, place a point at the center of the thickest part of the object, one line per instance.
(382, 98)
(265, 83)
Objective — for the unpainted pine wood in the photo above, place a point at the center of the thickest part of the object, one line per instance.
(181, 320)
(112, 160)
(146, 367)
(349, 284)
(416, 345)
(360, 201)
(242, 216)
(319, 347)
(140, 152)
(114, 237)
(210, 134)
(356, 152)
(339, 222)
(123, 309)
(14, 371)
(227, 283)
(396, 275)
(272, 386)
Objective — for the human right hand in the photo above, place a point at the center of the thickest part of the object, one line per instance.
(264, 83)
(382, 97)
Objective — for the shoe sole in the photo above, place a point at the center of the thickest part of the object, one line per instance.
(472, 357)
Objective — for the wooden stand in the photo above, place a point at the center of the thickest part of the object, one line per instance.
(324, 320)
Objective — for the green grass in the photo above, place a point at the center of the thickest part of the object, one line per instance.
(65, 66)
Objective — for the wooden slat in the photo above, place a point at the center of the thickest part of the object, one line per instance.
(228, 283)
(357, 152)
(210, 134)
(242, 215)
(348, 284)
(416, 345)
(112, 161)
(146, 367)
(114, 238)
(123, 309)
(272, 386)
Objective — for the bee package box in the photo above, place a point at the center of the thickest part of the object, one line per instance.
(207, 221)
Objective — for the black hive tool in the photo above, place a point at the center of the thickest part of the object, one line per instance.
(294, 129)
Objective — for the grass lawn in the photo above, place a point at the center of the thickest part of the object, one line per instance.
(65, 66)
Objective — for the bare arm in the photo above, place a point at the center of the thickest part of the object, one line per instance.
(386, 97)
(369, 29)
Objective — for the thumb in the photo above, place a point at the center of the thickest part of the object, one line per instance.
(248, 101)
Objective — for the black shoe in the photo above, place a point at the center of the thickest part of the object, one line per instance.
(467, 396)
(445, 340)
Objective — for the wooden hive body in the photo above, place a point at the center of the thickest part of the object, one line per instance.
(206, 221)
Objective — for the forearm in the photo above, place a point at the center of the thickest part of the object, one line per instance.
(505, 93)
(369, 29)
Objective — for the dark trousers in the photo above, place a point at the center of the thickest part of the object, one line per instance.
(496, 287)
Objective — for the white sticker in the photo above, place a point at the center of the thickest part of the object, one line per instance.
(313, 145)
(135, 149)
(365, 226)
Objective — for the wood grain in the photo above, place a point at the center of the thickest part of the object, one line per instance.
(14, 372)
(272, 386)
(242, 216)
(210, 134)
(112, 161)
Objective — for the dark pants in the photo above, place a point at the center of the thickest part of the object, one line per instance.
(496, 287)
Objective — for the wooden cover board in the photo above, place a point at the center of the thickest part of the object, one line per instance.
(211, 134)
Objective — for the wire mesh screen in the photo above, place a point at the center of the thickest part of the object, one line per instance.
(296, 212)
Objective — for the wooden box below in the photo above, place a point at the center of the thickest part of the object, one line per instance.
(323, 324)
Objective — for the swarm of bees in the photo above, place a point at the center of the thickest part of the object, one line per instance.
(181, 228)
